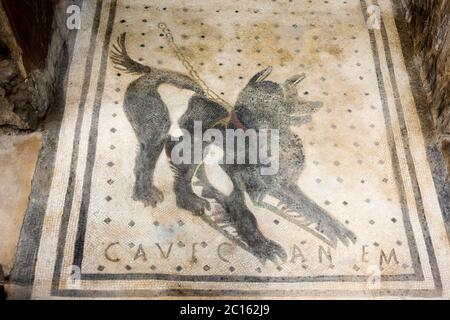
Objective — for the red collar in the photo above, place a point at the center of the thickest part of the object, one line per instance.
(236, 121)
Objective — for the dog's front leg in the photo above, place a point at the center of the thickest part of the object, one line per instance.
(293, 198)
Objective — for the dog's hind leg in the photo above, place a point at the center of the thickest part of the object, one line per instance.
(144, 189)
(150, 120)
(185, 197)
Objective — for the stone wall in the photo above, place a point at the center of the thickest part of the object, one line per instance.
(429, 27)
(25, 96)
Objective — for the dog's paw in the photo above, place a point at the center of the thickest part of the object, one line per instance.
(150, 197)
(270, 250)
(335, 232)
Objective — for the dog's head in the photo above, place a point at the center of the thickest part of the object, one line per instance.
(265, 104)
(259, 104)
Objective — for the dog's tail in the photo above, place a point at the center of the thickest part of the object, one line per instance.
(123, 61)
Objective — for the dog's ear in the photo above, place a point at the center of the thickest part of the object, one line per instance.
(295, 80)
(262, 75)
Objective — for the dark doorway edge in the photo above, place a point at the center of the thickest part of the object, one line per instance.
(22, 274)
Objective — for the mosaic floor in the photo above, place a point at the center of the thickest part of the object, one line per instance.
(365, 161)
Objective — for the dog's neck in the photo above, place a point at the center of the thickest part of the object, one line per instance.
(234, 119)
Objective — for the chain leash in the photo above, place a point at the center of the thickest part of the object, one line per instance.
(191, 70)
